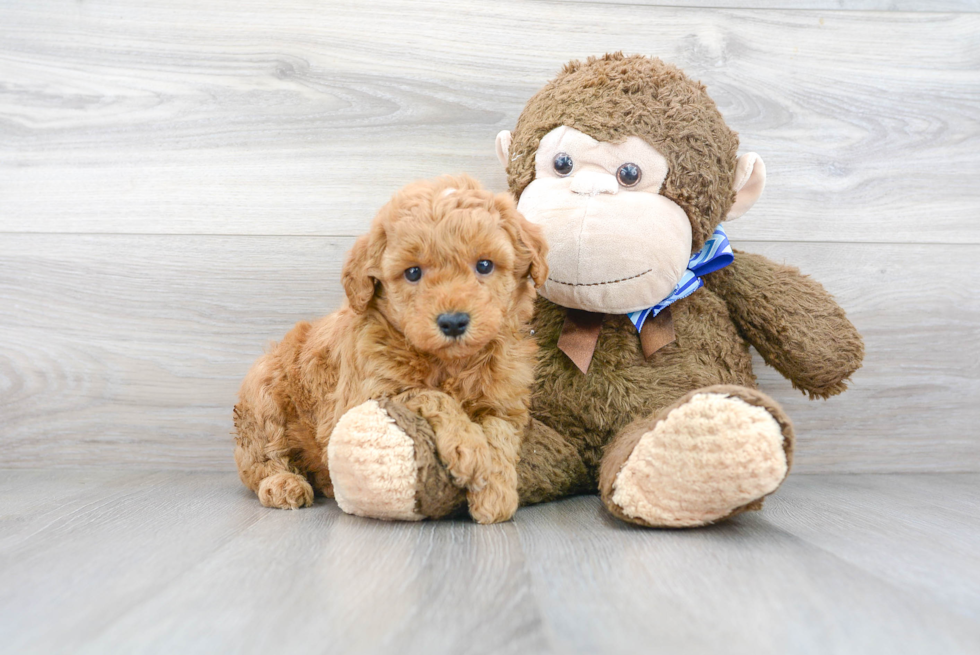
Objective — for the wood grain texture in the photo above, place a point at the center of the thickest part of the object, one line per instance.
(191, 563)
(178, 562)
(808, 5)
(131, 350)
(346, 585)
(128, 350)
(303, 117)
(178, 184)
(83, 561)
(903, 520)
(745, 586)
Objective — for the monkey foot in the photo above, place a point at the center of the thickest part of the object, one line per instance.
(716, 453)
(372, 465)
(383, 465)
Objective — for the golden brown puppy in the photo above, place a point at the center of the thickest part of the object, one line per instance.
(439, 293)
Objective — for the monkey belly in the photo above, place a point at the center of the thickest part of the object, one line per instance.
(622, 385)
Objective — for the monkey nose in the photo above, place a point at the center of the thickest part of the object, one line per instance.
(453, 324)
(591, 183)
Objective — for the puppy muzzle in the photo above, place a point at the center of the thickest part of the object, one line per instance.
(453, 324)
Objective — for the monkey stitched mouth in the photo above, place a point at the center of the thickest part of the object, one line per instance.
(596, 284)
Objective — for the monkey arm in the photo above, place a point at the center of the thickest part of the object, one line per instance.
(460, 443)
(797, 327)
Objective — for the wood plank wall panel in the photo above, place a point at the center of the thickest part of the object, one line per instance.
(179, 182)
(806, 5)
(129, 349)
(237, 118)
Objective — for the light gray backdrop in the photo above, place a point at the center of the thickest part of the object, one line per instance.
(179, 184)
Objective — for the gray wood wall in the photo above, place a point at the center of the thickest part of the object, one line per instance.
(179, 182)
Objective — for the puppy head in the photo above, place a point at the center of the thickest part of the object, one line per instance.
(449, 264)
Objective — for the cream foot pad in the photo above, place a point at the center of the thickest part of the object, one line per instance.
(372, 465)
(708, 457)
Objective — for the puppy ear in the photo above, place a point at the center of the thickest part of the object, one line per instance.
(528, 238)
(361, 267)
(533, 237)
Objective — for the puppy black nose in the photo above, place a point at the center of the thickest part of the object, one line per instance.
(454, 324)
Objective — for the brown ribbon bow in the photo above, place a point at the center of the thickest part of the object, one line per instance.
(580, 334)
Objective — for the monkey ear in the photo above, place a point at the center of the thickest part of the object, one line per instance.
(528, 238)
(503, 147)
(750, 180)
(361, 265)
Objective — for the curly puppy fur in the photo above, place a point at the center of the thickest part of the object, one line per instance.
(384, 343)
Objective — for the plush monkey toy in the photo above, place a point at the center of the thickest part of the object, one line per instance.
(644, 390)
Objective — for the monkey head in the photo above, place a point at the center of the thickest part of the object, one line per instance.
(629, 167)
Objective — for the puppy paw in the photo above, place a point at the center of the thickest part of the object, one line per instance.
(494, 503)
(285, 491)
(469, 463)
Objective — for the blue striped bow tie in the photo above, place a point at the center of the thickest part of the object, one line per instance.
(716, 254)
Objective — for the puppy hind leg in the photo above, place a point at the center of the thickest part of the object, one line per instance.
(260, 466)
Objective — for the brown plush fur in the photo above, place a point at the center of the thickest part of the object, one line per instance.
(585, 426)
(549, 467)
(792, 321)
(436, 495)
(622, 385)
(614, 97)
(385, 344)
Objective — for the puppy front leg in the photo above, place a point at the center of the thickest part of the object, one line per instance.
(498, 500)
(460, 442)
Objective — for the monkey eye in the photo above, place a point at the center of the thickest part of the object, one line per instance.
(484, 267)
(628, 174)
(413, 274)
(563, 164)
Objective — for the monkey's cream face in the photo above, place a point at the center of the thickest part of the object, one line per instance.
(616, 244)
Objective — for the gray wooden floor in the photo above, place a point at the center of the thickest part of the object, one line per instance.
(188, 562)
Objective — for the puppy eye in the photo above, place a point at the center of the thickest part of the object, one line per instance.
(484, 267)
(628, 174)
(413, 274)
(563, 164)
